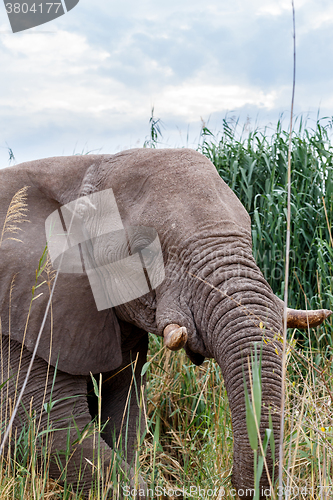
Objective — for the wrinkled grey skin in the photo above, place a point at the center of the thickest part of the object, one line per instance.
(205, 235)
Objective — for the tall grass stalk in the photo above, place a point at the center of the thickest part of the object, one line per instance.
(286, 273)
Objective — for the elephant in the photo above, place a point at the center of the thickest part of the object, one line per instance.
(211, 298)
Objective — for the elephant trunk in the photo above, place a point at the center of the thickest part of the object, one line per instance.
(239, 313)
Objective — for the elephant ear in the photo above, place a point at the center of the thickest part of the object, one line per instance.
(80, 338)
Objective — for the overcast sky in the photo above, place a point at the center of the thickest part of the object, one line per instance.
(88, 80)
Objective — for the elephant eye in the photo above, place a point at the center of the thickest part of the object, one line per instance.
(148, 256)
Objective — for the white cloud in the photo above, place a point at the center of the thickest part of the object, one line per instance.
(274, 7)
(192, 100)
(62, 72)
(103, 67)
(315, 17)
(50, 71)
(55, 54)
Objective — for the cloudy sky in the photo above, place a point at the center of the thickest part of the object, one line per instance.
(87, 81)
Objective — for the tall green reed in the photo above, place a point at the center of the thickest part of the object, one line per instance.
(255, 167)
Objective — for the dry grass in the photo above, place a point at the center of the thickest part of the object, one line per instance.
(16, 215)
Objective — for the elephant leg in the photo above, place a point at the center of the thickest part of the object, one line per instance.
(73, 442)
(121, 413)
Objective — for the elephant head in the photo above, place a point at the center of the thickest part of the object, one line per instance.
(212, 297)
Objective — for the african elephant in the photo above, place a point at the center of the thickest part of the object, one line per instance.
(212, 291)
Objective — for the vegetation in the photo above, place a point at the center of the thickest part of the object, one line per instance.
(256, 170)
(254, 165)
(188, 437)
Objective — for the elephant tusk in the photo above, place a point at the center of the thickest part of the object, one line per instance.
(304, 319)
(175, 337)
